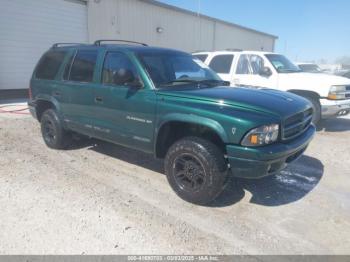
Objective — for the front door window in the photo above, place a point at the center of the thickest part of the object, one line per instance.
(249, 72)
(250, 65)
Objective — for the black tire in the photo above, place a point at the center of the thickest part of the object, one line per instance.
(196, 170)
(317, 109)
(52, 130)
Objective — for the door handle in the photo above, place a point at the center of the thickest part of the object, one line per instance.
(98, 99)
(236, 81)
(56, 94)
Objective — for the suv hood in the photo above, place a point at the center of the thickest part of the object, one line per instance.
(320, 83)
(268, 101)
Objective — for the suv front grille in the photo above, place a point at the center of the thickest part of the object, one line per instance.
(296, 124)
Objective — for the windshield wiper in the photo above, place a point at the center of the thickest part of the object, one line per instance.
(207, 82)
(214, 82)
(290, 71)
(180, 81)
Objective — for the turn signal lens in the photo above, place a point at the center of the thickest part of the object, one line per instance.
(332, 96)
(337, 93)
(254, 139)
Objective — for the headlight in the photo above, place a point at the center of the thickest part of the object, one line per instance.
(261, 136)
(337, 93)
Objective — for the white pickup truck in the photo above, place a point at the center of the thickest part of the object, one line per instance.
(329, 94)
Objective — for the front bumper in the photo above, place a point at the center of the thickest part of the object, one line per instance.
(331, 108)
(249, 162)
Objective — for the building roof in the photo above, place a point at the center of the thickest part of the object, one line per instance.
(171, 7)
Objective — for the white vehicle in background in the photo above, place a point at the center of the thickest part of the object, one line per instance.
(309, 67)
(343, 73)
(329, 94)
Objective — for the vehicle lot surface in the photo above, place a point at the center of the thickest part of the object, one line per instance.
(98, 198)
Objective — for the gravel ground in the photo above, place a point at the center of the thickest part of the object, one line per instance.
(98, 198)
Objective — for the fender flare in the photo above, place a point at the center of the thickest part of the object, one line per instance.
(52, 100)
(304, 93)
(192, 119)
(47, 98)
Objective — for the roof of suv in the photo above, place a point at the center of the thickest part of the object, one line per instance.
(129, 47)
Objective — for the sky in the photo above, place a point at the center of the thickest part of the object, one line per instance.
(308, 30)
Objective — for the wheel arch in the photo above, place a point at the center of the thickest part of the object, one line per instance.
(314, 99)
(43, 103)
(187, 125)
(305, 93)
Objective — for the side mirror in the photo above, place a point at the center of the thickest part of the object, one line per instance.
(265, 71)
(136, 84)
(127, 78)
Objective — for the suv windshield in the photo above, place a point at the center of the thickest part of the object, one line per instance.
(173, 69)
(282, 64)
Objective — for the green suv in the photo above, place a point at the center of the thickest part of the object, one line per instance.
(169, 104)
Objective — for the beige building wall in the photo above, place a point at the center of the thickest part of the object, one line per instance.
(138, 20)
(234, 37)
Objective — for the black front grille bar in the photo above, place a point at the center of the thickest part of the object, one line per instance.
(305, 122)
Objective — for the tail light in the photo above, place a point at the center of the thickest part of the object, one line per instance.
(30, 92)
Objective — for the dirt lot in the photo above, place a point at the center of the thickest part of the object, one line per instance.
(98, 198)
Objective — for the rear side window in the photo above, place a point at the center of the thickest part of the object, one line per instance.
(49, 65)
(83, 66)
(201, 57)
(221, 64)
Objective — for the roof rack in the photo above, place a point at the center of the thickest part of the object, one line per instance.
(234, 49)
(220, 50)
(65, 44)
(98, 42)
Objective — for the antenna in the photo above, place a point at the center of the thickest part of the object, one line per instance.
(200, 23)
